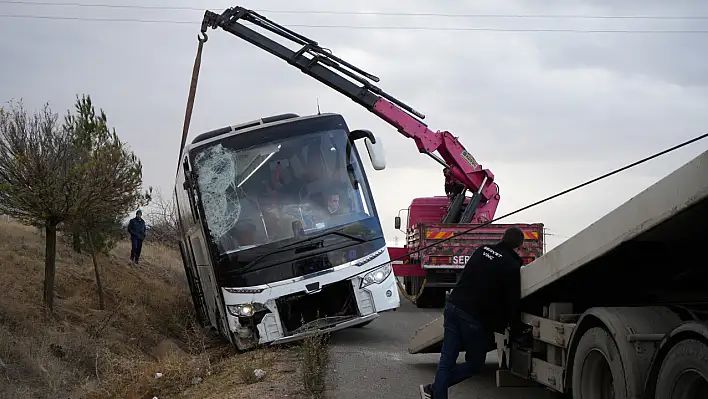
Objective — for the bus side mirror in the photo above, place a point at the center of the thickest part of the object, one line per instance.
(377, 155)
(397, 222)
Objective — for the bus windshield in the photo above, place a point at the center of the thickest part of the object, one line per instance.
(283, 189)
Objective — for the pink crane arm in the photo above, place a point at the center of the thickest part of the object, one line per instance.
(462, 172)
(460, 164)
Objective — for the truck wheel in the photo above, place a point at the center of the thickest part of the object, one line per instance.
(432, 297)
(684, 372)
(408, 284)
(597, 368)
(422, 301)
(416, 284)
(438, 297)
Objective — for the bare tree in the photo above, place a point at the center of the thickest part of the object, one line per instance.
(40, 182)
(163, 219)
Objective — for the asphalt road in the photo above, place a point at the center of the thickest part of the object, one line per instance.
(373, 362)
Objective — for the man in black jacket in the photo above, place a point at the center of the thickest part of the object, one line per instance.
(485, 300)
(137, 230)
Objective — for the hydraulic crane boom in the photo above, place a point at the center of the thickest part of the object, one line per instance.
(462, 172)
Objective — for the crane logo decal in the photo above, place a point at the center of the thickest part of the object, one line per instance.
(469, 158)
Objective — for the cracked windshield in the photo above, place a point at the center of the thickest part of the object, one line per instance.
(280, 190)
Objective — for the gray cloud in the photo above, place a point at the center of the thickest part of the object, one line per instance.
(530, 106)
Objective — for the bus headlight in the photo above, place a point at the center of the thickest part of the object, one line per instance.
(376, 276)
(246, 309)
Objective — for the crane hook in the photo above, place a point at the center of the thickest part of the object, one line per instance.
(203, 38)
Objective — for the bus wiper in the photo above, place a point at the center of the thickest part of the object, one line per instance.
(260, 258)
(335, 232)
(302, 246)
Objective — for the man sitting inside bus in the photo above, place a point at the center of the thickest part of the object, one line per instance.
(333, 204)
(321, 207)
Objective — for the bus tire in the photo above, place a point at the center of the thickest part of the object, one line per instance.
(684, 371)
(597, 367)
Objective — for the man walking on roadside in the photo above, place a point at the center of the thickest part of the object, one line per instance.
(485, 300)
(137, 230)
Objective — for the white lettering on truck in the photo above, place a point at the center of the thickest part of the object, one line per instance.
(486, 251)
(460, 259)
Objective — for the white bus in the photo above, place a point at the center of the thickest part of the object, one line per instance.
(280, 230)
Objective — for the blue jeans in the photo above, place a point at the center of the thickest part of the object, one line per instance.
(135, 248)
(462, 332)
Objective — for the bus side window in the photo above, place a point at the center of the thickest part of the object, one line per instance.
(180, 217)
(190, 191)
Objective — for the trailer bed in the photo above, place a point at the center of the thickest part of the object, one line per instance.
(632, 255)
(635, 248)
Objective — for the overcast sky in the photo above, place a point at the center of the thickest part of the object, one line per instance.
(542, 110)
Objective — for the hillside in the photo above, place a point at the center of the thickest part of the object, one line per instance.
(147, 328)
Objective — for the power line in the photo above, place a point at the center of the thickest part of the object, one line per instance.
(66, 18)
(554, 196)
(360, 27)
(379, 13)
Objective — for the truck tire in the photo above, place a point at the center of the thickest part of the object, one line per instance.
(422, 301)
(597, 367)
(408, 284)
(432, 298)
(438, 297)
(416, 284)
(684, 371)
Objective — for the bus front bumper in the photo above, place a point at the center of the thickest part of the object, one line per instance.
(336, 327)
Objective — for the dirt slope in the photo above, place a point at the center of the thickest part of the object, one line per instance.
(147, 328)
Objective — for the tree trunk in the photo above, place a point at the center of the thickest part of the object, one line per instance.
(76, 240)
(99, 285)
(50, 258)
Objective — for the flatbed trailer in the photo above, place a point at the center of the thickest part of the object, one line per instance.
(621, 308)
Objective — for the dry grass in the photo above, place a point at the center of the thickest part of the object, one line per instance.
(315, 358)
(147, 328)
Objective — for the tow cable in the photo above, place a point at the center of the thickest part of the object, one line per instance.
(412, 298)
(192, 91)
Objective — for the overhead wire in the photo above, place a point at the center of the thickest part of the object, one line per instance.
(378, 13)
(364, 27)
(549, 198)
